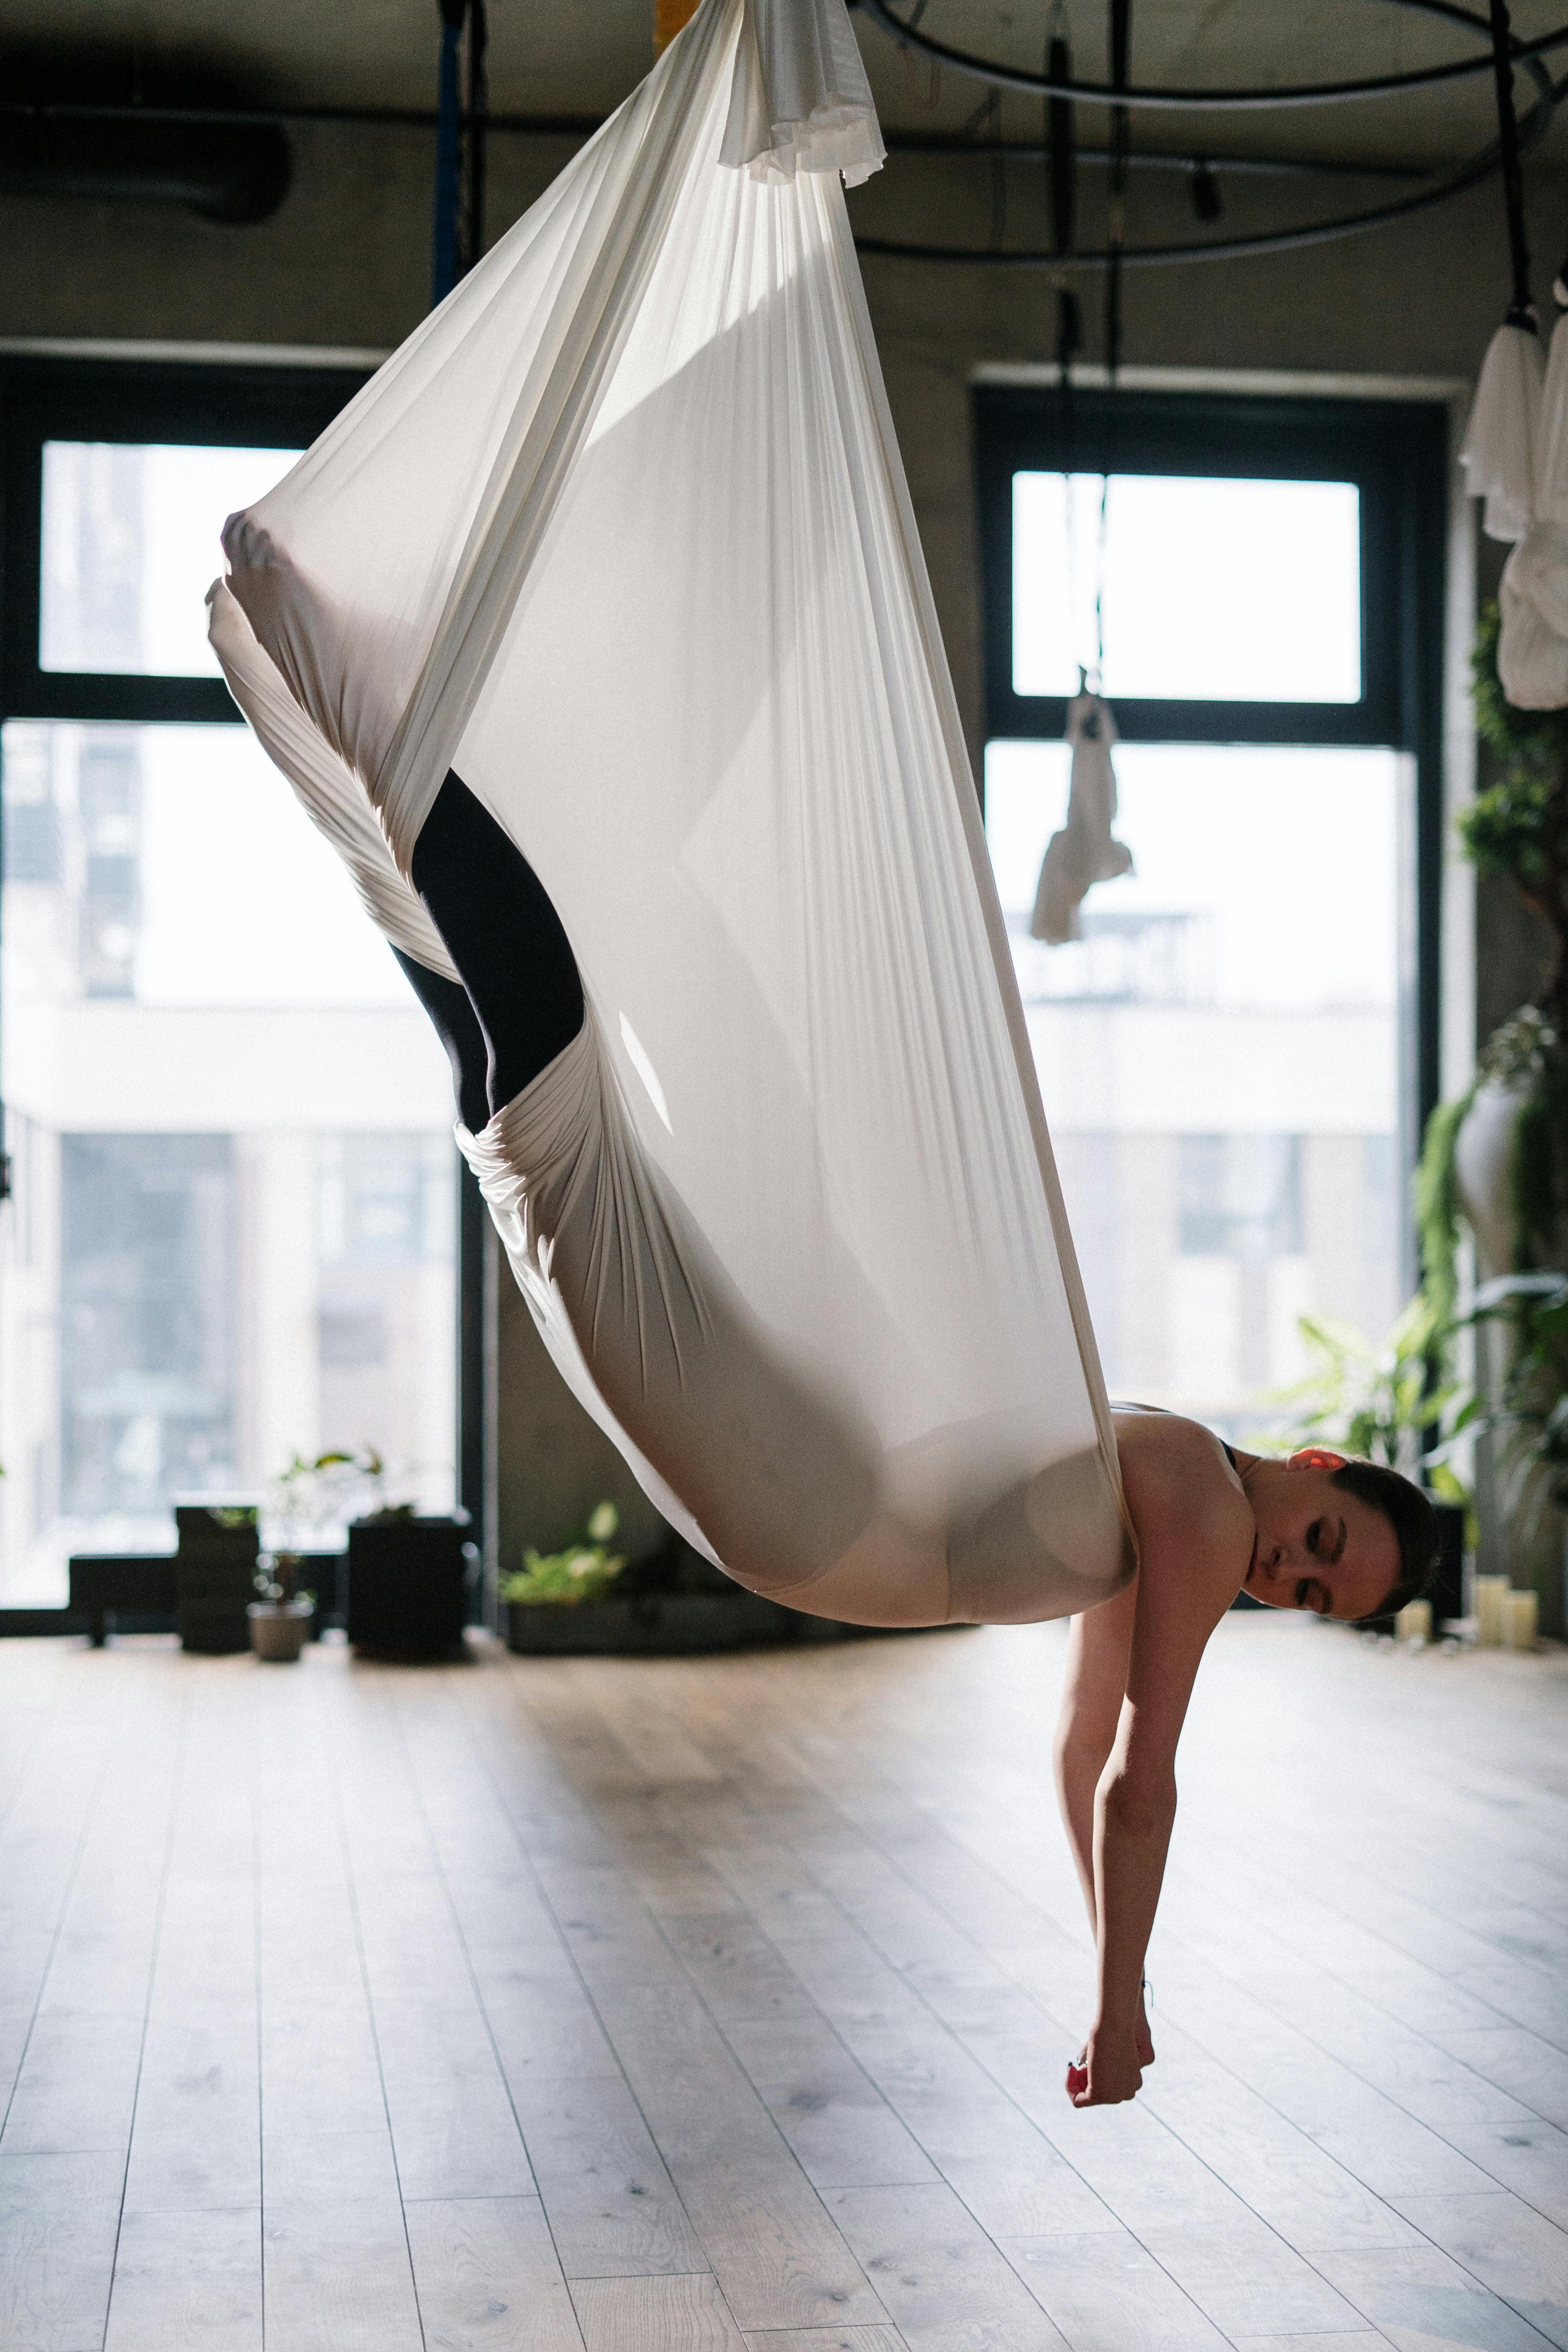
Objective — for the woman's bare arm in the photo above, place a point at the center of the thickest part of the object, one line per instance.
(1193, 1527)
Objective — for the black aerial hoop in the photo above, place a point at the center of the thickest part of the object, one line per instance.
(907, 33)
(1504, 53)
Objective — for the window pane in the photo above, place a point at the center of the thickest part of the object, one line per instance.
(1213, 589)
(1218, 1055)
(131, 547)
(233, 1228)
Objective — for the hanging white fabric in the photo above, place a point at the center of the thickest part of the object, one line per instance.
(1532, 644)
(622, 536)
(1085, 851)
(1501, 441)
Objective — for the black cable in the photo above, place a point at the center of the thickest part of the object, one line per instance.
(1061, 150)
(998, 175)
(474, 143)
(1060, 144)
(1121, 46)
(1521, 310)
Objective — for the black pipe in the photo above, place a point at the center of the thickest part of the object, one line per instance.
(1120, 61)
(1059, 139)
(237, 173)
(478, 122)
(583, 126)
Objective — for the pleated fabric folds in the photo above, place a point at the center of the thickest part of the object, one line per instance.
(621, 535)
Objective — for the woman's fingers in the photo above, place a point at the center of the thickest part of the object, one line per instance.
(1103, 2083)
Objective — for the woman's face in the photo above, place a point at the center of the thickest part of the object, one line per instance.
(1317, 1548)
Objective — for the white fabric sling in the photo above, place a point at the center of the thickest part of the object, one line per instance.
(621, 535)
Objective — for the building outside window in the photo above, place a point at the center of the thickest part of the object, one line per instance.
(1235, 1056)
(232, 1222)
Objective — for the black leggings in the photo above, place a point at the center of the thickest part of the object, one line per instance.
(521, 1003)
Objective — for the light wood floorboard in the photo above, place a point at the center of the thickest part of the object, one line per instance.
(723, 2005)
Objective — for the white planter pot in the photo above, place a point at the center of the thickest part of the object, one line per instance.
(280, 1629)
(1482, 1149)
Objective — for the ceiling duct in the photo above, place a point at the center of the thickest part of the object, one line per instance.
(123, 128)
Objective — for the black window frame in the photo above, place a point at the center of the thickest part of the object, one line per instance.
(1396, 453)
(216, 403)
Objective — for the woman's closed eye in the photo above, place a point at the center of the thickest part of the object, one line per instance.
(1310, 1594)
(1326, 1539)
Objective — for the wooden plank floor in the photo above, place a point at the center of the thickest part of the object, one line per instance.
(723, 2005)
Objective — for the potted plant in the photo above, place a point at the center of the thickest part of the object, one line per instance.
(1379, 1399)
(585, 1598)
(1497, 1158)
(1499, 1155)
(309, 1494)
(282, 1620)
(583, 1569)
(1530, 1419)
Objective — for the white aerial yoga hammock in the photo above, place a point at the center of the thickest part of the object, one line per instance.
(621, 536)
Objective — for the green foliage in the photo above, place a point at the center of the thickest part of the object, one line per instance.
(1372, 1397)
(1437, 1210)
(276, 1578)
(1532, 1180)
(1518, 824)
(1531, 1419)
(366, 1464)
(581, 1570)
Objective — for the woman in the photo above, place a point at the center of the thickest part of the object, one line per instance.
(1344, 1539)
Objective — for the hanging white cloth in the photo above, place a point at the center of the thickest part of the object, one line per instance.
(621, 535)
(1085, 851)
(1499, 453)
(1532, 645)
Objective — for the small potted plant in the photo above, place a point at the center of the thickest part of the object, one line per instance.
(282, 1620)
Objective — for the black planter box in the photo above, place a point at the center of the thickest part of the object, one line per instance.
(134, 1589)
(408, 1586)
(214, 1580)
(1447, 1589)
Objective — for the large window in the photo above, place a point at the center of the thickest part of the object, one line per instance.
(1235, 1054)
(232, 1230)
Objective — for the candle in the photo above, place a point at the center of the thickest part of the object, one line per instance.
(1414, 1621)
(1519, 1620)
(1491, 1600)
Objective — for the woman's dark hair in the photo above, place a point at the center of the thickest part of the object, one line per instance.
(1409, 1513)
